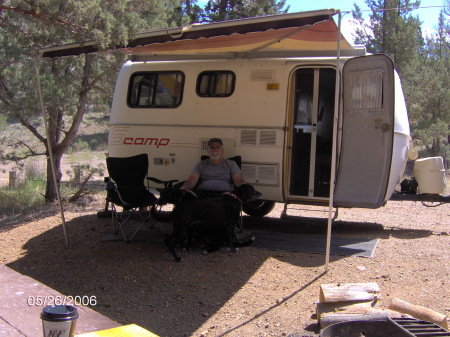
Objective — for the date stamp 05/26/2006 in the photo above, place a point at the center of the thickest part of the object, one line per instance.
(62, 300)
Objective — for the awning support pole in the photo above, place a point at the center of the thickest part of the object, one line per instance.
(50, 150)
(335, 138)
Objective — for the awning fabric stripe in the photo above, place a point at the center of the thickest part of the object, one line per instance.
(321, 36)
(286, 33)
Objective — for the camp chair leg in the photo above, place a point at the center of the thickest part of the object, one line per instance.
(124, 218)
(113, 215)
(135, 232)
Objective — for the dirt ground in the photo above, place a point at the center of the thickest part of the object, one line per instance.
(255, 292)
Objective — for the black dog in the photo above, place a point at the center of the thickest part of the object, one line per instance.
(213, 218)
(211, 239)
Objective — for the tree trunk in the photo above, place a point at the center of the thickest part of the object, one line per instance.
(59, 148)
(50, 190)
(436, 149)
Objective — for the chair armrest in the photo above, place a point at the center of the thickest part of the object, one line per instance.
(166, 183)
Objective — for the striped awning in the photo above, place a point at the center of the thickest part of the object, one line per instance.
(296, 34)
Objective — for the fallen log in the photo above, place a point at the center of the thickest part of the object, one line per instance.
(419, 312)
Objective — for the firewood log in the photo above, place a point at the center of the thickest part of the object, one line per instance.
(419, 312)
(344, 292)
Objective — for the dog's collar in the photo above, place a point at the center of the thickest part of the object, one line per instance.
(233, 195)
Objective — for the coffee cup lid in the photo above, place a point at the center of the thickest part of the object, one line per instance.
(57, 313)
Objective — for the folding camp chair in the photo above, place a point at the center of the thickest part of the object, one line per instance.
(170, 196)
(126, 189)
(238, 161)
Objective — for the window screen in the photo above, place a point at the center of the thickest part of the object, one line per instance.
(366, 91)
(215, 83)
(156, 89)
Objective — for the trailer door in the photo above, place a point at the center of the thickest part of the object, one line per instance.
(367, 132)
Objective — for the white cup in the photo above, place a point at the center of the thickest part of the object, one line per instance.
(59, 320)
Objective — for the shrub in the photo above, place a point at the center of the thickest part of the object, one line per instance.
(27, 197)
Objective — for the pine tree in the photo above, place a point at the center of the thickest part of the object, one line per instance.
(423, 67)
(427, 83)
(222, 10)
(70, 84)
(391, 30)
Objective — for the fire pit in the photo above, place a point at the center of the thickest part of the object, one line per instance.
(398, 327)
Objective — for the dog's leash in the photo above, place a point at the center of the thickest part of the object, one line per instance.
(191, 192)
(184, 192)
(233, 195)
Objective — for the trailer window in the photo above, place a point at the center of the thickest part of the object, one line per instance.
(365, 93)
(156, 89)
(216, 83)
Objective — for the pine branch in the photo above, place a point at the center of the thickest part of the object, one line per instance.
(16, 158)
(46, 18)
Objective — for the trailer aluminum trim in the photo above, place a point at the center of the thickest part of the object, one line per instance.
(312, 33)
(356, 51)
(196, 125)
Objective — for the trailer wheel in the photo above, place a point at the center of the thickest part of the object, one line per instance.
(258, 207)
(162, 213)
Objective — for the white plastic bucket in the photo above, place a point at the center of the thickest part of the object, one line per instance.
(430, 175)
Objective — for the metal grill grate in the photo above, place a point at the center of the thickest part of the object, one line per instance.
(419, 328)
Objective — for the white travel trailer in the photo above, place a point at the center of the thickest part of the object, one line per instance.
(283, 92)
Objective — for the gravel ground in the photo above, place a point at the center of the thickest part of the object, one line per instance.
(255, 292)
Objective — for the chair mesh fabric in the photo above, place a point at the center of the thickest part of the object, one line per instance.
(129, 174)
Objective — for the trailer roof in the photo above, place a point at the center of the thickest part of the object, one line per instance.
(312, 33)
